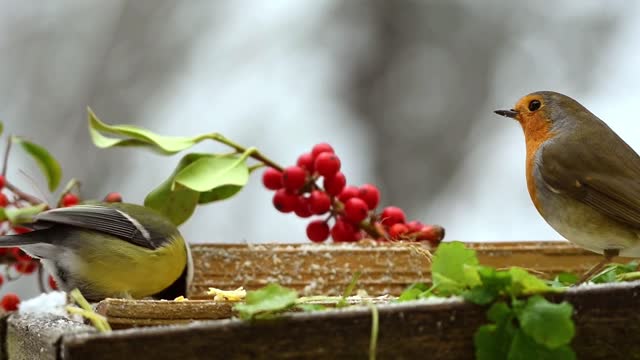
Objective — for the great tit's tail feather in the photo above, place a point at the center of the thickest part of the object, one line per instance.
(17, 240)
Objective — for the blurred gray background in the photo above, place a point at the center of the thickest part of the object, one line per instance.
(404, 91)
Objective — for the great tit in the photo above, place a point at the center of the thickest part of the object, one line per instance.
(105, 250)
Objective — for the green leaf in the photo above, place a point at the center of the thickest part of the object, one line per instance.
(177, 204)
(499, 312)
(493, 341)
(218, 194)
(567, 278)
(448, 268)
(547, 323)
(269, 299)
(525, 348)
(413, 291)
(1, 127)
(612, 272)
(311, 307)
(210, 172)
(46, 162)
(129, 135)
(480, 295)
(25, 214)
(523, 283)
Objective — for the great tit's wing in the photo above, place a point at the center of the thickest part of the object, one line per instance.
(102, 218)
(607, 179)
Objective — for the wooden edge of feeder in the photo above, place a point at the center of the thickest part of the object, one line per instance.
(445, 330)
(123, 313)
(386, 268)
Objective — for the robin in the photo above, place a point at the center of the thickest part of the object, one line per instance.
(582, 177)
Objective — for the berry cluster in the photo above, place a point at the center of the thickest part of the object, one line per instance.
(352, 209)
(13, 257)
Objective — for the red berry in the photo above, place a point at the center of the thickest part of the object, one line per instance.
(432, 233)
(334, 185)
(284, 201)
(305, 161)
(25, 267)
(3, 200)
(355, 210)
(392, 215)
(3, 182)
(293, 178)
(320, 148)
(302, 208)
(52, 283)
(318, 231)
(70, 200)
(20, 255)
(272, 179)
(327, 164)
(343, 231)
(370, 194)
(1, 280)
(21, 230)
(319, 202)
(414, 226)
(397, 230)
(113, 197)
(347, 193)
(10, 302)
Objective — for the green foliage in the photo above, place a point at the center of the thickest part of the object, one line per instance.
(46, 162)
(528, 328)
(616, 272)
(198, 179)
(266, 301)
(23, 215)
(129, 135)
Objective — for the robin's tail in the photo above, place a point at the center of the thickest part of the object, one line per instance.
(17, 240)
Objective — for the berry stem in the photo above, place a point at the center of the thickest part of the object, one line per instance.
(6, 156)
(369, 229)
(254, 153)
(21, 194)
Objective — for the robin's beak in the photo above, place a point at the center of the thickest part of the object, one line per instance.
(508, 113)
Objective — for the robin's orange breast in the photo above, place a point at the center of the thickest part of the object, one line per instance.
(535, 133)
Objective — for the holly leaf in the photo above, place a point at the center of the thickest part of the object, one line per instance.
(175, 202)
(448, 268)
(23, 215)
(129, 135)
(210, 172)
(45, 161)
(547, 323)
(267, 300)
(525, 348)
(220, 193)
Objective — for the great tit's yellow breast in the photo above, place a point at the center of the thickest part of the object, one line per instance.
(117, 267)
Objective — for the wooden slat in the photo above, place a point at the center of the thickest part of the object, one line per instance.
(607, 322)
(387, 268)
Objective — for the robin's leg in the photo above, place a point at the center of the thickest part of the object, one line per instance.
(608, 255)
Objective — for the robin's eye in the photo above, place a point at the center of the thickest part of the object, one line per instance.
(534, 105)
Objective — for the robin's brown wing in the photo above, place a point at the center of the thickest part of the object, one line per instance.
(604, 175)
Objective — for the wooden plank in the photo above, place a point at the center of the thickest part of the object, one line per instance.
(387, 268)
(607, 320)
